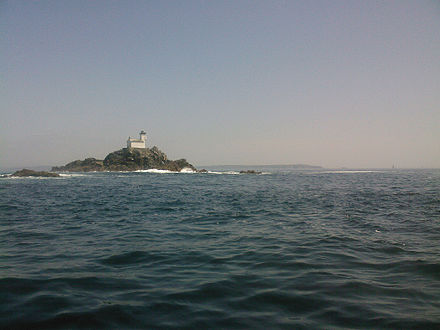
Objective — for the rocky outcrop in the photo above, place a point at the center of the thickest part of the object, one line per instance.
(26, 173)
(130, 159)
(250, 172)
(127, 159)
(86, 165)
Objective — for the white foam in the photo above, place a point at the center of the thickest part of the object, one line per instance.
(29, 177)
(187, 170)
(349, 171)
(153, 170)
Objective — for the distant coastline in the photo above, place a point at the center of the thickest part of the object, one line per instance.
(280, 166)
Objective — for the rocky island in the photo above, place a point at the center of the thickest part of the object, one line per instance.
(30, 173)
(127, 159)
(136, 156)
(250, 172)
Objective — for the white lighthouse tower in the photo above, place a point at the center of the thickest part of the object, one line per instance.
(143, 136)
(138, 143)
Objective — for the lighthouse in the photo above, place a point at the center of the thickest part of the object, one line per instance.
(143, 136)
(138, 143)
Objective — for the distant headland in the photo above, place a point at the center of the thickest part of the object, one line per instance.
(136, 156)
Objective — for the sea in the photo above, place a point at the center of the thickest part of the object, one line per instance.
(286, 249)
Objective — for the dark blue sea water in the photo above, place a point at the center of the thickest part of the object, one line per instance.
(288, 249)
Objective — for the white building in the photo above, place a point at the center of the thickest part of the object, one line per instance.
(137, 143)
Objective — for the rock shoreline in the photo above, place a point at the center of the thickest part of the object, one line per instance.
(30, 173)
(123, 160)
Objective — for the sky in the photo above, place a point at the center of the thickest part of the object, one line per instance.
(332, 83)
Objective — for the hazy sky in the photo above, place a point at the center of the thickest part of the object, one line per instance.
(330, 83)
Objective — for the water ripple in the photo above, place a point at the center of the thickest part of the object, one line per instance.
(286, 250)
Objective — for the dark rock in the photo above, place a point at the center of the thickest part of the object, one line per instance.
(26, 173)
(86, 165)
(202, 171)
(250, 172)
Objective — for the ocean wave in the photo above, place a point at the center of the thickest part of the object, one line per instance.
(291, 250)
(187, 170)
(131, 258)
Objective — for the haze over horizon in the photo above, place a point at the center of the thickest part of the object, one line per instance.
(351, 84)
